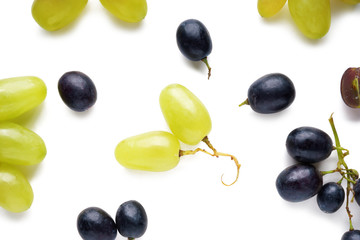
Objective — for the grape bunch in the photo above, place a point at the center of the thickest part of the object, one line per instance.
(53, 15)
(131, 221)
(19, 146)
(313, 18)
(189, 121)
(302, 181)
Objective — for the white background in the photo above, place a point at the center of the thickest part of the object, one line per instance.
(130, 64)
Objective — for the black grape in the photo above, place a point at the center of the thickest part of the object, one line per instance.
(351, 235)
(299, 182)
(309, 145)
(330, 197)
(77, 91)
(131, 219)
(95, 224)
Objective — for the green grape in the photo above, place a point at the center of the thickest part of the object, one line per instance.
(19, 95)
(185, 114)
(127, 10)
(312, 17)
(53, 15)
(153, 151)
(16, 192)
(352, 2)
(19, 145)
(268, 8)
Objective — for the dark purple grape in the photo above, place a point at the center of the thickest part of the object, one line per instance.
(131, 219)
(356, 189)
(309, 145)
(349, 87)
(330, 197)
(77, 91)
(271, 93)
(299, 182)
(95, 224)
(351, 235)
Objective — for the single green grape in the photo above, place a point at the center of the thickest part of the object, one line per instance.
(19, 95)
(185, 114)
(127, 10)
(16, 192)
(312, 17)
(268, 8)
(153, 151)
(19, 145)
(53, 15)
(352, 2)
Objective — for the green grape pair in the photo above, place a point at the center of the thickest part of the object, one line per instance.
(313, 18)
(18, 145)
(189, 121)
(53, 15)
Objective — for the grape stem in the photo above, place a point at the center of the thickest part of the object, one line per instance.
(214, 154)
(346, 173)
(204, 60)
(246, 102)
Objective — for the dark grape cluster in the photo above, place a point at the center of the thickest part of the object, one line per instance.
(302, 181)
(93, 223)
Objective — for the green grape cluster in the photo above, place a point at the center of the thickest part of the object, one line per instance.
(189, 122)
(313, 18)
(53, 15)
(18, 145)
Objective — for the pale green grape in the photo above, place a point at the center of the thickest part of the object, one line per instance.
(127, 10)
(19, 145)
(185, 114)
(268, 8)
(153, 151)
(352, 2)
(53, 15)
(16, 194)
(313, 17)
(19, 95)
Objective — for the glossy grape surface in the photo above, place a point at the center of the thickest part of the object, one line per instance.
(309, 144)
(299, 182)
(93, 223)
(268, 8)
(356, 189)
(350, 87)
(330, 197)
(313, 18)
(351, 235)
(193, 40)
(16, 192)
(271, 93)
(127, 10)
(77, 91)
(53, 15)
(19, 95)
(185, 114)
(153, 151)
(131, 219)
(19, 145)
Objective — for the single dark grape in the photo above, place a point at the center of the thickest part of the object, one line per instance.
(356, 189)
(77, 91)
(351, 235)
(299, 182)
(330, 197)
(350, 87)
(309, 145)
(193, 40)
(271, 93)
(131, 219)
(95, 224)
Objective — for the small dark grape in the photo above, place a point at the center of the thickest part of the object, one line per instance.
(77, 91)
(349, 87)
(351, 235)
(330, 197)
(95, 224)
(299, 182)
(271, 93)
(356, 189)
(309, 145)
(131, 219)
